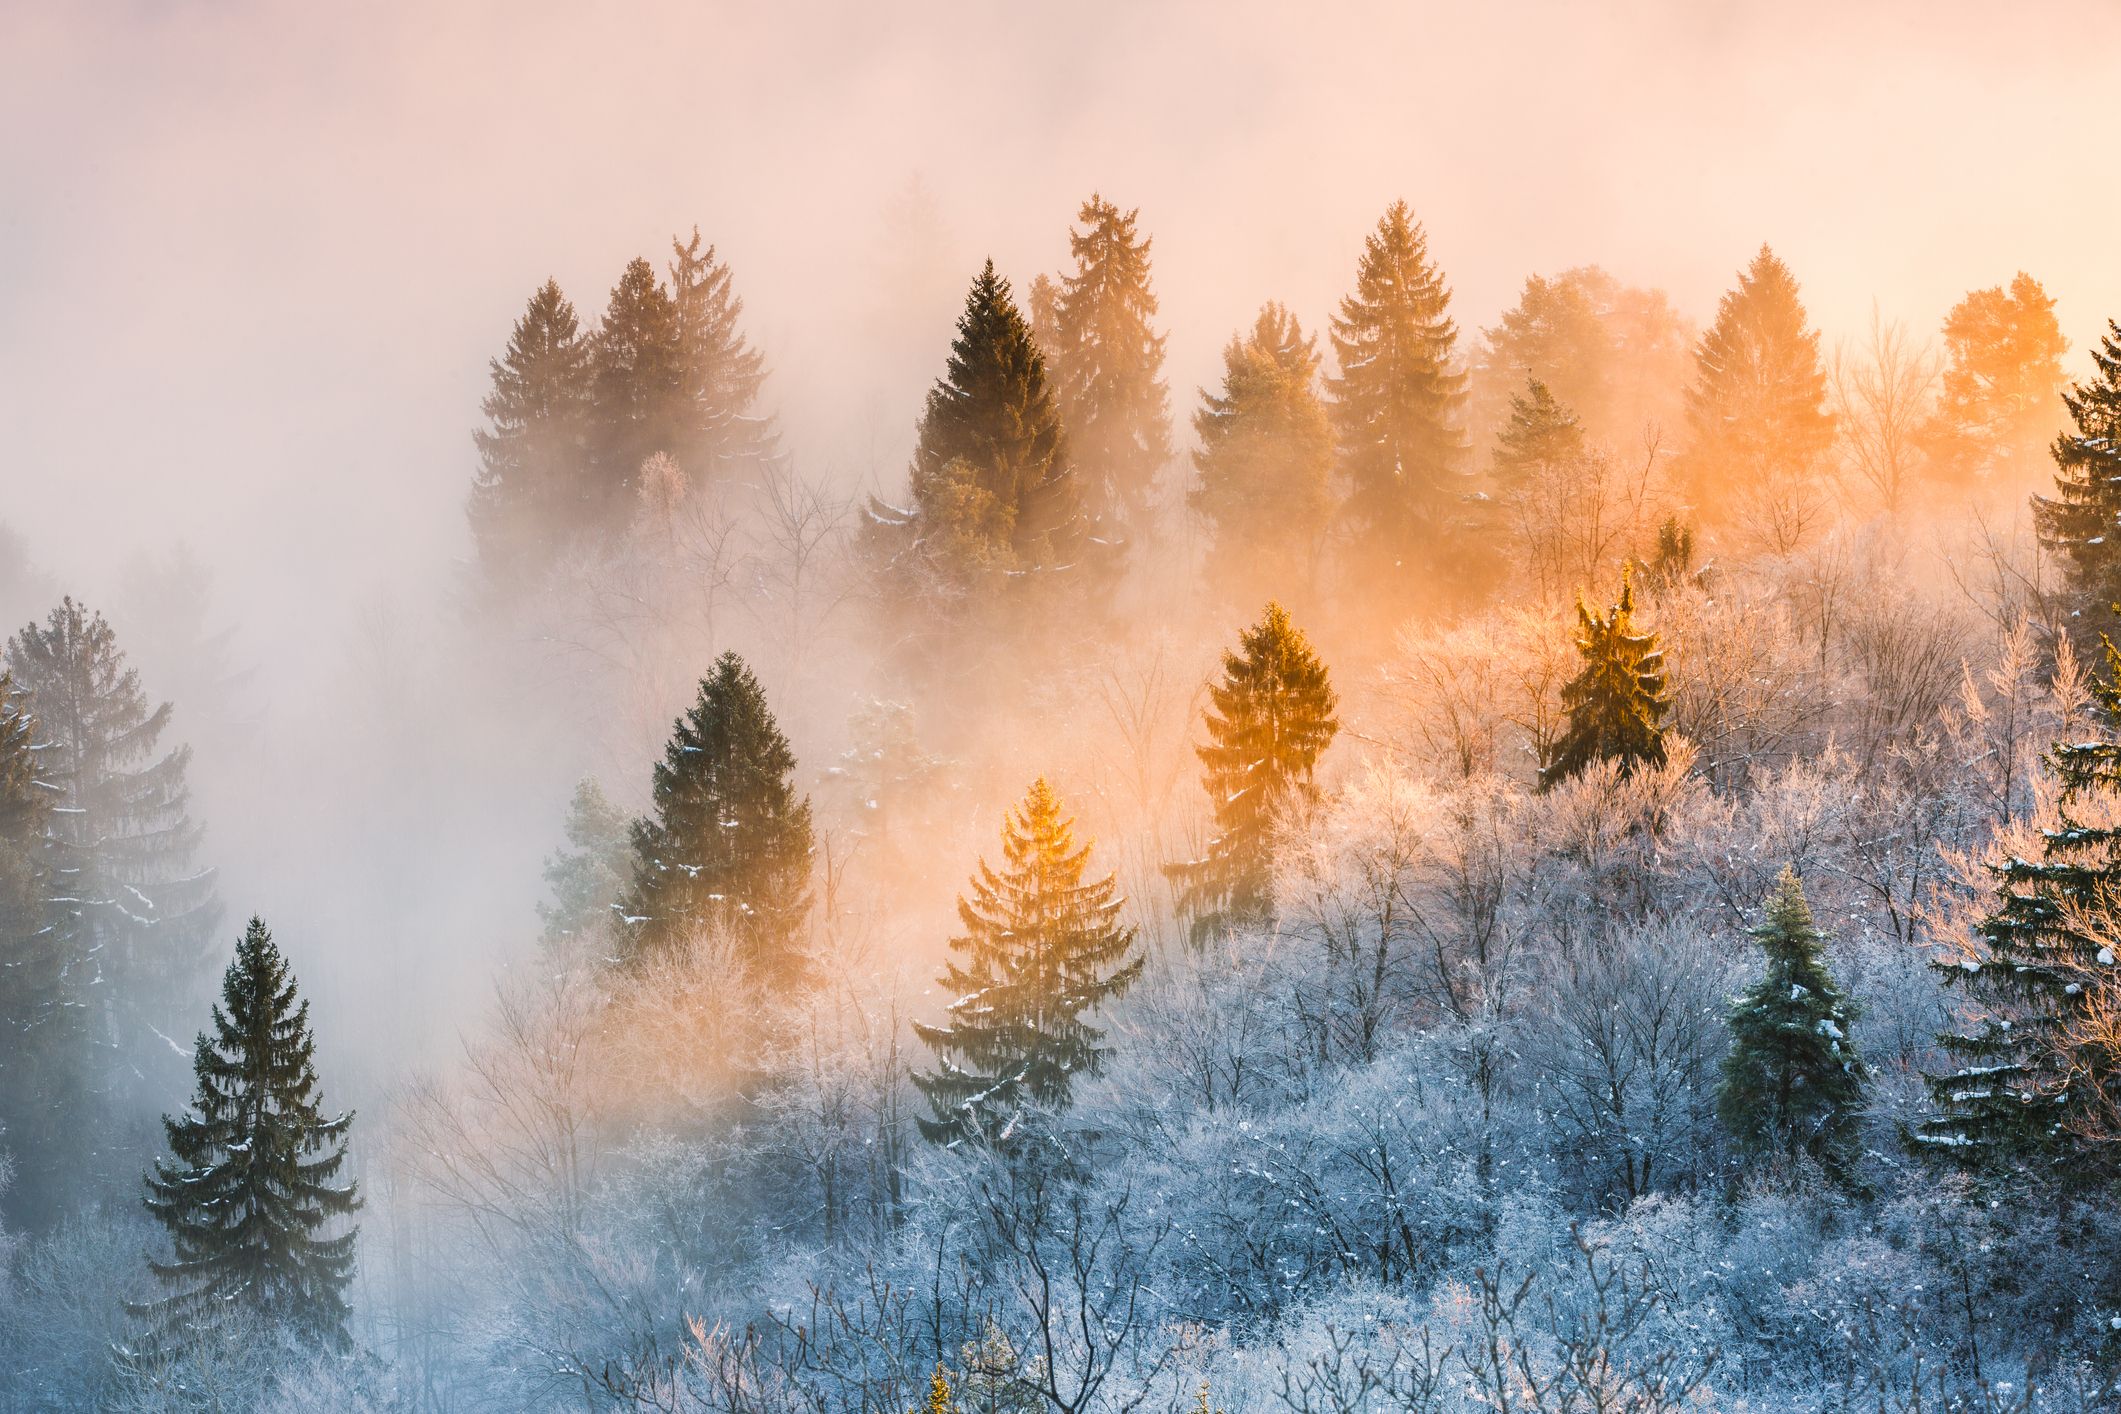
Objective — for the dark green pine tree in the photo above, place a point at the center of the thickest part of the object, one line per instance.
(1397, 401)
(638, 398)
(1792, 1082)
(253, 1185)
(1108, 363)
(1756, 412)
(992, 488)
(532, 488)
(729, 844)
(1041, 949)
(2025, 1089)
(1265, 462)
(587, 878)
(2081, 522)
(720, 372)
(1616, 703)
(133, 910)
(44, 1060)
(1269, 720)
(1541, 434)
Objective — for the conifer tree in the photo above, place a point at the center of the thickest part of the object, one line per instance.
(1107, 362)
(2081, 521)
(1616, 702)
(587, 878)
(1041, 949)
(992, 488)
(1269, 720)
(720, 372)
(531, 490)
(1398, 399)
(1541, 433)
(1756, 412)
(2000, 398)
(134, 912)
(729, 843)
(2019, 1090)
(253, 1182)
(1792, 1082)
(1265, 460)
(639, 402)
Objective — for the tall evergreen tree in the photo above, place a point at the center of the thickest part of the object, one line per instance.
(253, 1181)
(1617, 701)
(2000, 399)
(1108, 361)
(2020, 1089)
(531, 490)
(1265, 460)
(587, 878)
(1269, 720)
(639, 403)
(992, 485)
(2081, 521)
(134, 911)
(1792, 1081)
(729, 843)
(1757, 411)
(1540, 433)
(1398, 399)
(1041, 949)
(720, 372)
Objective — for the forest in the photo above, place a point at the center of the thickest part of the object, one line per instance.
(1562, 861)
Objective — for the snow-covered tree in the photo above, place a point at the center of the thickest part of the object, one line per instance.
(2081, 521)
(587, 878)
(1617, 701)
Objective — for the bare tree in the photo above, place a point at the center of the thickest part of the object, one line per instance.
(1881, 396)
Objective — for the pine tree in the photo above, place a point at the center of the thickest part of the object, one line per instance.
(134, 913)
(587, 878)
(1541, 433)
(1616, 703)
(1108, 363)
(2081, 522)
(1041, 949)
(2021, 1090)
(729, 844)
(252, 1184)
(1265, 460)
(639, 402)
(1792, 1081)
(530, 493)
(1757, 409)
(1269, 720)
(992, 488)
(1398, 399)
(2000, 398)
(720, 373)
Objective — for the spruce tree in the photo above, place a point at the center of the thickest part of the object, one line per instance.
(2081, 521)
(1756, 412)
(2000, 397)
(638, 396)
(1041, 949)
(992, 488)
(720, 373)
(133, 910)
(1792, 1082)
(1265, 461)
(1540, 434)
(2020, 1090)
(1398, 401)
(1616, 702)
(1107, 362)
(1269, 720)
(532, 491)
(587, 878)
(253, 1182)
(729, 844)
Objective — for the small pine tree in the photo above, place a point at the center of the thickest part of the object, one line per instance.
(1269, 720)
(2081, 522)
(1041, 948)
(1541, 433)
(638, 395)
(587, 878)
(729, 844)
(720, 373)
(1398, 398)
(1673, 558)
(1265, 461)
(529, 495)
(939, 1400)
(1108, 364)
(1792, 1081)
(1616, 703)
(252, 1186)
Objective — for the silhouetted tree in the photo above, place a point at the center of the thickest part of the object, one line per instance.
(1540, 433)
(532, 489)
(720, 374)
(639, 401)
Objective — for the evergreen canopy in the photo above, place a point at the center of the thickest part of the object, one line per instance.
(1616, 702)
(1999, 400)
(1757, 408)
(530, 495)
(1541, 433)
(2081, 521)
